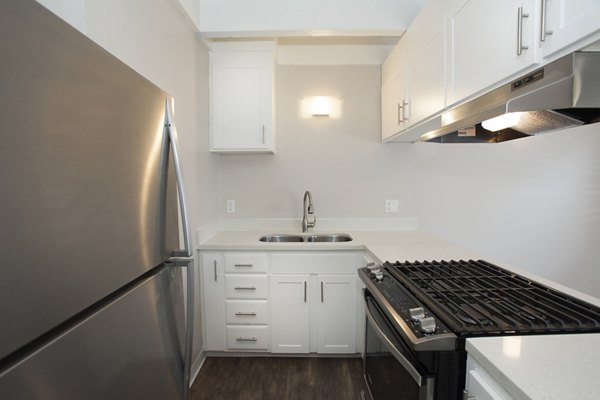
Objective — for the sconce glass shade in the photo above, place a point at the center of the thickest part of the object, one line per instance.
(320, 106)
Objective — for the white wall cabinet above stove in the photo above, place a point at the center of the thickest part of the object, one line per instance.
(565, 22)
(457, 49)
(413, 81)
(241, 97)
(487, 42)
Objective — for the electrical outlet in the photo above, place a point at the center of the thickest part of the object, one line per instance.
(230, 206)
(391, 206)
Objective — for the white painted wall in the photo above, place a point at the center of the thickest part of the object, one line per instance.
(159, 42)
(340, 160)
(533, 203)
(247, 17)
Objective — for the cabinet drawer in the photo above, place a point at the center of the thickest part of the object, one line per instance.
(240, 286)
(245, 262)
(248, 337)
(246, 311)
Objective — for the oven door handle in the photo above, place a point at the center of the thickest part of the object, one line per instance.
(416, 375)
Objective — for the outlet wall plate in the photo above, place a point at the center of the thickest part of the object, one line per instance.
(391, 206)
(230, 206)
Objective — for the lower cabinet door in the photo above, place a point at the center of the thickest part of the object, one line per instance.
(289, 314)
(337, 314)
(248, 338)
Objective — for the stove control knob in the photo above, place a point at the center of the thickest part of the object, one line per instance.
(428, 325)
(379, 276)
(417, 314)
(373, 268)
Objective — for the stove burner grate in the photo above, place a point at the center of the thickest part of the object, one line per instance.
(478, 298)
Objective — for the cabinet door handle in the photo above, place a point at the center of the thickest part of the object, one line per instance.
(543, 31)
(305, 291)
(405, 110)
(245, 288)
(215, 268)
(263, 134)
(400, 118)
(321, 291)
(249, 314)
(520, 16)
(243, 265)
(243, 339)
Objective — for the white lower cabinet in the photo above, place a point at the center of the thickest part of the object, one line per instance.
(213, 293)
(282, 302)
(290, 314)
(315, 311)
(337, 314)
(236, 304)
(248, 337)
(480, 386)
(299, 312)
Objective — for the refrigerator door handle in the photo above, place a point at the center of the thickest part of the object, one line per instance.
(185, 226)
(183, 257)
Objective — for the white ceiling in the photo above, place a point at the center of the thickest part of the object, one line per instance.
(384, 20)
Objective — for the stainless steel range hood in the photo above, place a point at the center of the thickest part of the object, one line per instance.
(562, 94)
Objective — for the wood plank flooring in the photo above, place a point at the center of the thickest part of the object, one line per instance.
(279, 378)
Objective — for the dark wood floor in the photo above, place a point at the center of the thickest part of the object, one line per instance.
(279, 378)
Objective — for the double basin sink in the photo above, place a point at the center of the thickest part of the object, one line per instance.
(307, 238)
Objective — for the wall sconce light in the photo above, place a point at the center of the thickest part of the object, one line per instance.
(321, 106)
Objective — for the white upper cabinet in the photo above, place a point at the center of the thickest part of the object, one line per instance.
(425, 70)
(488, 41)
(241, 97)
(564, 22)
(413, 76)
(393, 94)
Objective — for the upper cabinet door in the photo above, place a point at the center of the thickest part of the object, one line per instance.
(488, 41)
(392, 98)
(426, 68)
(565, 22)
(241, 100)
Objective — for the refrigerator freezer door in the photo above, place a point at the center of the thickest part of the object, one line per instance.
(83, 210)
(130, 349)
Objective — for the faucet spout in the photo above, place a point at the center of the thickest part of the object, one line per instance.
(308, 209)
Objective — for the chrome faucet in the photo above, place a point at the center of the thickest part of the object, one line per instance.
(308, 209)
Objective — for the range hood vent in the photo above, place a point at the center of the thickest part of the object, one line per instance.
(562, 94)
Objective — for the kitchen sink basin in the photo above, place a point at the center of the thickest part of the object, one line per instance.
(329, 238)
(281, 238)
(309, 238)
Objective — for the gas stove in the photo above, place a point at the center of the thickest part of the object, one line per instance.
(435, 305)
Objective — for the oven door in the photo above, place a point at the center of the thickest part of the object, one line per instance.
(391, 370)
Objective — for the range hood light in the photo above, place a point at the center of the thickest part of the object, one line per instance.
(502, 121)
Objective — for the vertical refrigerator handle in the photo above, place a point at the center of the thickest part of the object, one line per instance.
(183, 256)
(185, 226)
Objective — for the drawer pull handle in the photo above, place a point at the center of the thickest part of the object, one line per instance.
(215, 267)
(243, 339)
(243, 265)
(245, 288)
(250, 314)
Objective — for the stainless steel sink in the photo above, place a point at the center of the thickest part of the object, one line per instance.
(281, 238)
(311, 238)
(338, 237)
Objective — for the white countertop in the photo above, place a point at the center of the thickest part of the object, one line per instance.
(549, 366)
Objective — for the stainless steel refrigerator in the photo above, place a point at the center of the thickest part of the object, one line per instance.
(92, 296)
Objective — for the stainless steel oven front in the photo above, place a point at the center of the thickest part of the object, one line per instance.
(391, 369)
